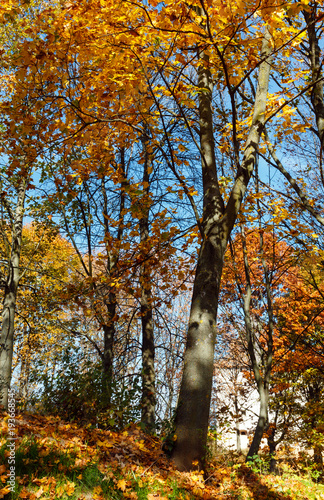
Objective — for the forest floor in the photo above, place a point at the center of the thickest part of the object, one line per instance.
(60, 460)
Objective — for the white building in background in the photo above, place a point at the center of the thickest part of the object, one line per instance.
(235, 408)
(235, 411)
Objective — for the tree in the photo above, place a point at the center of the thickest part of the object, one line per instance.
(47, 264)
(255, 277)
(10, 281)
(301, 325)
(87, 178)
(19, 130)
(217, 223)
(286, 331)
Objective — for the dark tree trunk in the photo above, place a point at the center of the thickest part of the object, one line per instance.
(195, 393)
(108, 351)
(272, 450)
(109, 326)
(148, 355)
(148, 346)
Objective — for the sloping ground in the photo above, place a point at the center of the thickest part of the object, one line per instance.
(58, 460)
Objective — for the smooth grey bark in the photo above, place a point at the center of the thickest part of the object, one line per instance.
(148, 356)
(148, 345)
(10, 295)
(191, 424)
(24, 368)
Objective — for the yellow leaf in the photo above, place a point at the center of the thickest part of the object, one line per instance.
(5, 491)
(198, 492)
(70, 487)
(59, 491)
(121, 484)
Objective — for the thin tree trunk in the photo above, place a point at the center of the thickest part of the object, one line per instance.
(195, 392)
(262, 421)
(265, 363)
(262, 387)
(237, 423)
(317, 101)
(272, 450)
(148, 355)
(10, 297)
(148, 345)
(108, 352)
(24, 378)
(109, 328)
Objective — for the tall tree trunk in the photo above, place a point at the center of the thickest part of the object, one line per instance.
(194, 399)
(262, 385)
(109, 328)
(10, 297)
(148, 345)
(195, 392)
(317, 104)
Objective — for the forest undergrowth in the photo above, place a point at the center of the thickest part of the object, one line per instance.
(55, 459)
